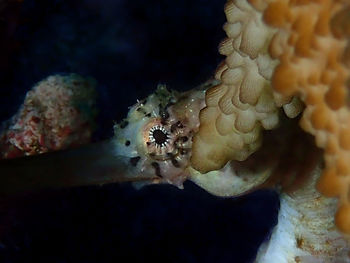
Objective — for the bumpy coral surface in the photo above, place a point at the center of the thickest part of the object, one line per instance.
(56, 114)
(243, 103)
(312, 39)
(282, 53)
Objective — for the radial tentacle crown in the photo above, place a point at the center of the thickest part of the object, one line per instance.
(157, 134)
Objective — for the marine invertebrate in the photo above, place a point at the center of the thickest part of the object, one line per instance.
(152, 144)
(304, 45)
(301, 54)
(280, 54)
(157, 134)
(319, 51)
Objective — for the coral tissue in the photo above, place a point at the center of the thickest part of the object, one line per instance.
(290, 54)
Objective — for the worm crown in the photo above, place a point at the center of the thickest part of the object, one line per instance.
(157, 134)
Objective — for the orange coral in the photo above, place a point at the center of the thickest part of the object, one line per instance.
(282, 53)
(312, 45)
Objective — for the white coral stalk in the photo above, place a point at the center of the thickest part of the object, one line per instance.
(305, 231)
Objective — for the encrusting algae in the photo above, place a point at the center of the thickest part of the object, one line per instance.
(57, 113)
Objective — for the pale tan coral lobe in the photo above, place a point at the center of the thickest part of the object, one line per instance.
(243, 103)
(278, 53)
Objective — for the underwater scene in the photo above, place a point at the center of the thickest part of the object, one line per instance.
(125, 49)
(175, 131)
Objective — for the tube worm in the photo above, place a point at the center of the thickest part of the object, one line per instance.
(93, 164)
(58, 114)
(290, 55)
(153, 144)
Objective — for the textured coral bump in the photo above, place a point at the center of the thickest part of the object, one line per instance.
(57, 113)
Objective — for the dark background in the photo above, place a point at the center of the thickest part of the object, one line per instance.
(128, 47)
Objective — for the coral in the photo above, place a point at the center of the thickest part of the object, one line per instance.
(56, 114)
(311, 44)
(290, 54)
(305, 230)
(243, 103)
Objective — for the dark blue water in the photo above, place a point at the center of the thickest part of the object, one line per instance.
(128, 47)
